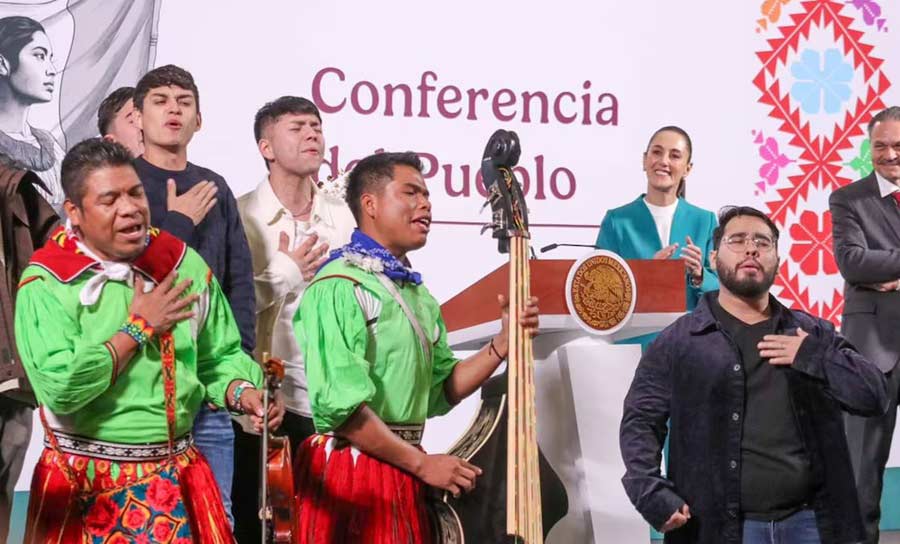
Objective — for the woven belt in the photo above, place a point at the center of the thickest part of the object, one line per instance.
(113, 451)
(411, 433)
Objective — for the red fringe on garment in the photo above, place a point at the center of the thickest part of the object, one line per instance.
(340, 501)
(54, 509)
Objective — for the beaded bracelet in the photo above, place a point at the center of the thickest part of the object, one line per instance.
(138, 329)
(236, 398)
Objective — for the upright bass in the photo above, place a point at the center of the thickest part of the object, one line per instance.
(519, 498)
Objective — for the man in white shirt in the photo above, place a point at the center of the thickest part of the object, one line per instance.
(290, 225)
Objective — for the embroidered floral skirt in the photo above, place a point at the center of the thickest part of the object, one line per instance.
(115, 502)
(346, 496)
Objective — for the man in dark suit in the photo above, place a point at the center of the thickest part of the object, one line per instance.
(866, 219)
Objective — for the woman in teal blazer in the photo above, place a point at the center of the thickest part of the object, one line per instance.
(634, 232)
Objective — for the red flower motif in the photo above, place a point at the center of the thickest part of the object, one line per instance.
(135, 518)
(813, 244)
(142, 539)
(102, 516)
(118, 538)
(182, 541)
(162, 495)
(163, 529)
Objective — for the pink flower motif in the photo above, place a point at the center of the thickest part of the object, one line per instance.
(102, 516)
(163, 529)
(162, 495)
(135, 518)
(813, 244)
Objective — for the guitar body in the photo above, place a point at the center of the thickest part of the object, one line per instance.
(280, 475)
(480, 515)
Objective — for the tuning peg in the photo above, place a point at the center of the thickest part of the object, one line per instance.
(487, 226)
(485, 205)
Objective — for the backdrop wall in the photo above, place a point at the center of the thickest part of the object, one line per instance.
(775, 95)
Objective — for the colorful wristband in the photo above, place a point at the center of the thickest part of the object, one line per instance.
(236, 399)
(138, 329)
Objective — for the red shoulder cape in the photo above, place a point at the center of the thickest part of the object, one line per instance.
(61, 257)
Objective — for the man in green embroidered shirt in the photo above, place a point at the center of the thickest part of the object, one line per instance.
(378, 364)
(124, 333)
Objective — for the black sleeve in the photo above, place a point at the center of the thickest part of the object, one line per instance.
(858, 385)
(643, 433)
(238, 277)
(858, 263)
(181, 226)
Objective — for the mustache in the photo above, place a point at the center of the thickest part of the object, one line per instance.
(754, 262)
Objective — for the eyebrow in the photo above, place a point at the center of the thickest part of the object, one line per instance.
(179, 96)
(40, 48)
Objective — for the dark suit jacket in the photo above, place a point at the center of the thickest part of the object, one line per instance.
(867, 249)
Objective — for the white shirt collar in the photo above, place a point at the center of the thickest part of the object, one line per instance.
(885, 187)
(273, 210)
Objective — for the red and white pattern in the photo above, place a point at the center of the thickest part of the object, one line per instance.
(822, 145)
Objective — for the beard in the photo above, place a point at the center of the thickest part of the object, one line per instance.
(745, 287)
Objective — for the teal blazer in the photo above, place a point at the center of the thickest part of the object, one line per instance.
(630, 231)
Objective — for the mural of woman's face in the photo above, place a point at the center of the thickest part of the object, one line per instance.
(33, 79)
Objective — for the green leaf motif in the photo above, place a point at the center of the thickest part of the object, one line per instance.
(862, 163)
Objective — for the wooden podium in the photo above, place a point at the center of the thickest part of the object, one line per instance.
(581, 380)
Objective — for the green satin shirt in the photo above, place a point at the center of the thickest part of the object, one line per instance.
(71, 371)
(359, 347)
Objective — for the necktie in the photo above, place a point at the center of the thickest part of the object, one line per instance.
(896, 195)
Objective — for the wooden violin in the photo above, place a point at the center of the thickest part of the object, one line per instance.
(277, 477)
(519, 497)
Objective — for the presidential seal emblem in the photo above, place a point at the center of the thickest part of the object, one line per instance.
(600, 292)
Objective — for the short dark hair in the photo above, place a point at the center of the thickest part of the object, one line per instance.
(681, 191)
(15, 33)
(371, 173)
(165, 76)
(728, 213)
(888, 114)
(86, 157)
(271, 111)
(111, 106)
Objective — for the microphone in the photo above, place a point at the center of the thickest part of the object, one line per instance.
(551, 247)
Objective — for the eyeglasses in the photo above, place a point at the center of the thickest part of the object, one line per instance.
(737, 242)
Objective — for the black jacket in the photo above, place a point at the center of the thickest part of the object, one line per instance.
(692, 377)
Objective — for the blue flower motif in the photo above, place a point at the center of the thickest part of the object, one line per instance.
(815, 82)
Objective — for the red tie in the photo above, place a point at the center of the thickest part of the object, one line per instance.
(896, 195)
